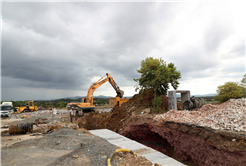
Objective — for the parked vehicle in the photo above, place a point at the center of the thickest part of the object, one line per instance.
(6, 109)
(29, 107)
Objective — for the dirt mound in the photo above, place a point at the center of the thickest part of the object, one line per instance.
(120, 116)
(145, 100)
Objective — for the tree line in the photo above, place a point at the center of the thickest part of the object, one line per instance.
(231, 90)
(59, 103)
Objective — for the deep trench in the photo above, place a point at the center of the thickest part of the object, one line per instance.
(145, 136)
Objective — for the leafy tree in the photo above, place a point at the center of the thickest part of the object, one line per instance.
(156, 75)
(243, 81)
(157, 103)
(227, 91)
(243, 91)
(62, 104)
(18, 103)
(243, 85)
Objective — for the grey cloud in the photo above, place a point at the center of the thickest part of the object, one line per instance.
(216, 33)
(64, 45)
(193, 63)
(239, 48)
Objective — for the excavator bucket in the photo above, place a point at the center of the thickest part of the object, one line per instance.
(120, 93)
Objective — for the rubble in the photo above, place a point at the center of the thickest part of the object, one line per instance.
(230, 115)
(55, 125)
(47, 113)
(60, 112)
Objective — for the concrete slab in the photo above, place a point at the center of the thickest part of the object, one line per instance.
(126, 143)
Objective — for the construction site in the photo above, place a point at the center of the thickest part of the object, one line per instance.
(213, 134)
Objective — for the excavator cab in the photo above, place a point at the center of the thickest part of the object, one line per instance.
(83, 100)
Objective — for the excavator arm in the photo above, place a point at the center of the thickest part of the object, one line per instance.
(100, 82)
(119, 92)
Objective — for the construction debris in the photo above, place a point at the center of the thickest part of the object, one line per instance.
(139, 112)
(45, 113)
(230, 115)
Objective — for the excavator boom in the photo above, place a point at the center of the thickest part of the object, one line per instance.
(100, 82)
(87, 104)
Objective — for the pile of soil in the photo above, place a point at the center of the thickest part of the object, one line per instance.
(120, 116)
(131, 121)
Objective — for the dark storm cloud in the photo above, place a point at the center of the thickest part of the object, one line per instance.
(63, 45)
(131, 36)
(39, 62)
(39, 45)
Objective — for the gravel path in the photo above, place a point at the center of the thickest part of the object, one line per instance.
(84, 149)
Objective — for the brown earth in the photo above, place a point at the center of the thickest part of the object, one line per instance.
(191, 145)
(187, 143)
(120, 116)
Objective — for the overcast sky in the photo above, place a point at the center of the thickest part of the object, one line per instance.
(54, 50)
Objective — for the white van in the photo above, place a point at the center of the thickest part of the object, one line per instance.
(6, 109)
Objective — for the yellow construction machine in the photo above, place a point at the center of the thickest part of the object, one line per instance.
(29, 107)
(86, 104)
(116, 101)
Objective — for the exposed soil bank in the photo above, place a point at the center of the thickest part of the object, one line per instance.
(189, 143)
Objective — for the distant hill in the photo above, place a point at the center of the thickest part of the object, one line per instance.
(206, 95)
(79, 97)
(178, 95)
(102, 96)
(199, 95)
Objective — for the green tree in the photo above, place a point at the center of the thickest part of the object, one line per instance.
(243, 81)
(228, 90)
(156, 75)
(243, 85)
(62, 104)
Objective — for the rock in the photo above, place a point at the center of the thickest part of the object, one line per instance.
(75, 156)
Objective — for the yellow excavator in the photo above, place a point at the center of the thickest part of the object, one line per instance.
(86, 104)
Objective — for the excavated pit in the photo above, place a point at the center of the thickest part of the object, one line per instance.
(186, 142)
(189, 144)
(143, 134)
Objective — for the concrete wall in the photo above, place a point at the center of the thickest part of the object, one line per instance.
(172, 98)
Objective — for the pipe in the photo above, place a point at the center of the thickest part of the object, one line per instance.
(116, 151)
(21, 128)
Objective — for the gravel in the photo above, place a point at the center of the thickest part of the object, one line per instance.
(89, 149)
(230, 115)
(41, 113)
(93, 147)
(48, 113)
